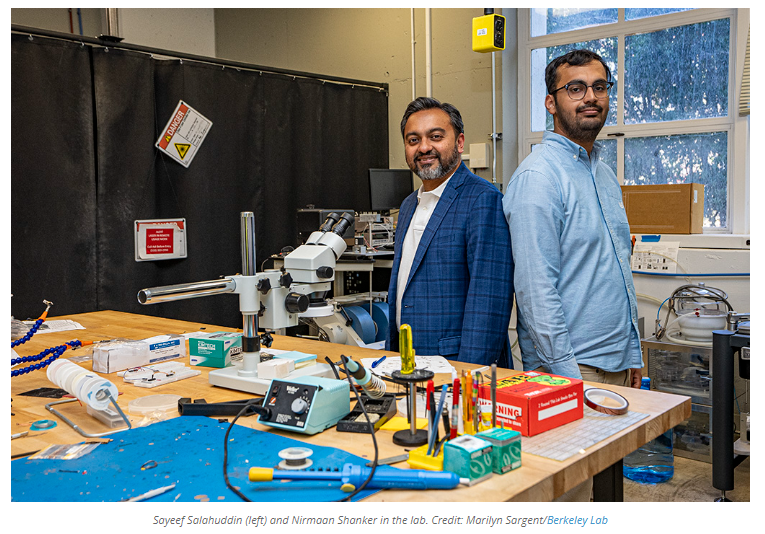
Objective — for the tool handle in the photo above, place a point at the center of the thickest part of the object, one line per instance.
(390, 477)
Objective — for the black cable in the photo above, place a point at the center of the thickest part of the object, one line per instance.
(249, 405)
(374, 439)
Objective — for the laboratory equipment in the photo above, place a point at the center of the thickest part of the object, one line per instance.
(727, 344)
(371, 384)
(273, 299)
(306, 404)
(90, 389)
(699, 310)
(687, 369)
(352, 476)
(409, 375)
(380, 411)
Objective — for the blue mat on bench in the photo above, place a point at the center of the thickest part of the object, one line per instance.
(189, 452)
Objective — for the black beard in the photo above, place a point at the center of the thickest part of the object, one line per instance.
(580, 131)
(437, 171)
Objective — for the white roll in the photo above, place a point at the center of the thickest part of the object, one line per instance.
(87, 386)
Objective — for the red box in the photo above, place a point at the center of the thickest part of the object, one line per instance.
(532, 403)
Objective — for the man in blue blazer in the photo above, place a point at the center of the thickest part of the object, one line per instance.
(452, 277)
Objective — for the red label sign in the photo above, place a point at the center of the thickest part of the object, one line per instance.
(173, 126)
(159, 241)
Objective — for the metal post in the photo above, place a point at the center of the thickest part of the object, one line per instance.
(722, 410)
(250, 338)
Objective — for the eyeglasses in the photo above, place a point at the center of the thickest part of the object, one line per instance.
(577, 90)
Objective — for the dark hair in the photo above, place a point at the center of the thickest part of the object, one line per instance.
(423, 102)
(573, 58)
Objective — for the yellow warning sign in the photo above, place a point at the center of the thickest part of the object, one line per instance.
(182, 148)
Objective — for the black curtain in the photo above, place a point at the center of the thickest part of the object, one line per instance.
(277, 143)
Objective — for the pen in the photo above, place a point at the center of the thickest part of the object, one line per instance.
(433, 420)
(378, 362)
(469, 404)
(455, 408)
(428, 408)
(438, 417)
(476, 427)
(493, 395)
(19, 435)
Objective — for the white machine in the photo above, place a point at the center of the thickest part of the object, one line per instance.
(272, 299)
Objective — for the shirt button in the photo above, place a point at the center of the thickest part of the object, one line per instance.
(575, 156)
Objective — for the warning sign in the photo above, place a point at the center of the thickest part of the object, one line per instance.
(159, 240)
(182, 149)
(184, 134)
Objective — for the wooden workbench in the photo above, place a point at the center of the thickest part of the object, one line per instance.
(539, 479)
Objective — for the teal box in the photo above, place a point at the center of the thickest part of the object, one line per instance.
(214, 350)
(469, 457)
(505, 448)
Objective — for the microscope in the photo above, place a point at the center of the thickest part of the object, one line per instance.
(273, 299)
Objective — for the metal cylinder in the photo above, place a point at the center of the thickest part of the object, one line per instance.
(722, 410)
(154, 295)
(248, 243)
(250, 338)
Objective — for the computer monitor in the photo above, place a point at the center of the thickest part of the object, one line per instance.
(388, 188)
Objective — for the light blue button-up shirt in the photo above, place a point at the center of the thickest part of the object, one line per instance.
(571, 245)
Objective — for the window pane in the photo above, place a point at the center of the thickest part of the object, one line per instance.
(633, 13)
(608, 153)
(540, 57)
(681, 159)
(545, 21)
(677, 74)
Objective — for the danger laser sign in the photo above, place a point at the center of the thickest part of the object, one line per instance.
(183, 134)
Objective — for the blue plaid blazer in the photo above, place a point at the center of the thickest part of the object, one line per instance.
(459, 295)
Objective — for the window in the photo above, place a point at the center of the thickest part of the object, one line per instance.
(670, 117)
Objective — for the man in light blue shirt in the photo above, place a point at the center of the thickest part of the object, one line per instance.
(577, 311)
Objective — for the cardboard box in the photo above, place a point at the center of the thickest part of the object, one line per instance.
(664, 209)
(532, 402)
(214, 350)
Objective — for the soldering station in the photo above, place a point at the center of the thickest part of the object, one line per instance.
(184, 360)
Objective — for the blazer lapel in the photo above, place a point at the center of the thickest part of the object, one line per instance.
(404, 220)
(442, 208)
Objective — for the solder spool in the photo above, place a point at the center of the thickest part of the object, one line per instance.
(295, 458)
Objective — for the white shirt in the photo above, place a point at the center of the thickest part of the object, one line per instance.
(426, 204)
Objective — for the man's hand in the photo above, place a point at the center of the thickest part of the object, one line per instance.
(636, 378)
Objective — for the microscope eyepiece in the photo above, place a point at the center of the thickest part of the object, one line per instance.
(346, 220)
(331, 219)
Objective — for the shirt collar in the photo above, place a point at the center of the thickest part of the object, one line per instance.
(567, 144)
(438, 191)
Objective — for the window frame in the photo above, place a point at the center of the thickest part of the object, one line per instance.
(737, 127)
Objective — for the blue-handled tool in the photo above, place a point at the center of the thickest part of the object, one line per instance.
(352, 476)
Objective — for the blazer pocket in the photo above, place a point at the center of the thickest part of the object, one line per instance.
(449, 345)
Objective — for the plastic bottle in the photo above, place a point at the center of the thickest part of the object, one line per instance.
(654, 462)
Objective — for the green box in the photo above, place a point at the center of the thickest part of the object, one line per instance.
(505, 450)
(215, 349)
(469, 457)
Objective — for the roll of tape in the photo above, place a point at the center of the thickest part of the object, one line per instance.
(593, 397)
(51, 371)
(96, 393)
(65, 375)
(380, 315)
(363, 324)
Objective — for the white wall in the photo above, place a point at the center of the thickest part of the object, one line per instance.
(183, 30)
